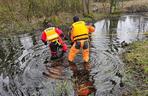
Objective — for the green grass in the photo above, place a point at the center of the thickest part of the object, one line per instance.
(146, 33)
(139, 54)
(136, 59)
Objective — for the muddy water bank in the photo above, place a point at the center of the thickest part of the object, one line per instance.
(23, 59)
(136, 68)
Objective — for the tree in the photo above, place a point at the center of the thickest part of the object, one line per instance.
(115, 4)
(85, 6)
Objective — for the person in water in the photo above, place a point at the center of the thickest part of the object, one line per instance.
(80, 40)
(53, 36)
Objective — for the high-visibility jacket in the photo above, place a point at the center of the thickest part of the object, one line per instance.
(79, 31)
(51, 34)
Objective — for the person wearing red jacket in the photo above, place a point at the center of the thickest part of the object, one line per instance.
(53, 36)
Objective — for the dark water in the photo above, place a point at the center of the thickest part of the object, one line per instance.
(23, 59)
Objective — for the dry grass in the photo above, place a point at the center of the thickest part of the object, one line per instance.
(135, 2)
(126, 6)
(135, 6)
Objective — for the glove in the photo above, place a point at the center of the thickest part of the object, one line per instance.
(71, 43)
(93, 25)
(66, 38)
(45, 43)
(60, 46)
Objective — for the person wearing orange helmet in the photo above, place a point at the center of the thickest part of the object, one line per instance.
(53, 36)
(80, 39)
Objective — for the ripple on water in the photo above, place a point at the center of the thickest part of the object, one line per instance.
(28, 54)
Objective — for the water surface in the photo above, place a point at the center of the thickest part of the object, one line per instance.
(23, 59)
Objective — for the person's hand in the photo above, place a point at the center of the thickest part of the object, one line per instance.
(90, 24)
(71, 43)
(66, 38)
(93, 25)
(45, 43)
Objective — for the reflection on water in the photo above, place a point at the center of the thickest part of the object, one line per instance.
(22, 62)
(106, 42)
(26, 41)
(130, 28)
(83, 83)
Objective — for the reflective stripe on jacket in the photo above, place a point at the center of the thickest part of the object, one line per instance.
(79, 30)
(51, 34)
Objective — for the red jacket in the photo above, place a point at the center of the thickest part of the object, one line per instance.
(58, 31)
(61, 35)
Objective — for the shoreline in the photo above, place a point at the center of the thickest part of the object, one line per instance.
(136, 68)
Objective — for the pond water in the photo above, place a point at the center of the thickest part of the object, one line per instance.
(23, 59)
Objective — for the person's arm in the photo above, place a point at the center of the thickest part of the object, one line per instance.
(71, 36)
(60, 33)
(43, 38)
(90, 28)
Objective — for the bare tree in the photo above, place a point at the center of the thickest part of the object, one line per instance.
(85, 6)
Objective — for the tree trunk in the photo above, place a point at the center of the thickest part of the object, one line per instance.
(85, 6)
(113, 6)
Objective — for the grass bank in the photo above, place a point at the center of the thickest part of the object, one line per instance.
(136, 66)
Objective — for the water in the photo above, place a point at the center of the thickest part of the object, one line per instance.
(23, 59)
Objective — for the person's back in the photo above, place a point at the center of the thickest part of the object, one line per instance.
(79, 30)
(54, 36)
(80, 39)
